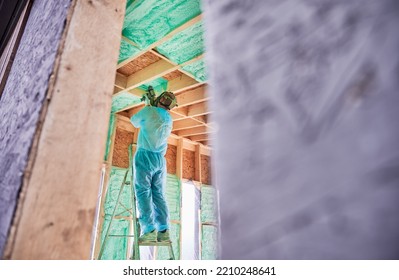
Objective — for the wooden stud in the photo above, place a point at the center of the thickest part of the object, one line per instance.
(197, 175)
(179, 159)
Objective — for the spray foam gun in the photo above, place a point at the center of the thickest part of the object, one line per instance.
(149, 96)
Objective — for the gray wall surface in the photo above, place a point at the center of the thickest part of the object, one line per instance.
(306, 98)
(22, 100)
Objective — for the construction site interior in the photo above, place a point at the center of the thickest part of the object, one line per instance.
(162, 46)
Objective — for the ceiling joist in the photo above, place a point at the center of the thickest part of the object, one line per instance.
(186, 123)
(192, 131)
(151, 72)
(200, 137)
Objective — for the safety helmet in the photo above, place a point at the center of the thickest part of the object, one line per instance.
(167, 99)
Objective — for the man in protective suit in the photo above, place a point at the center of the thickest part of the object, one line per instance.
(155, 125)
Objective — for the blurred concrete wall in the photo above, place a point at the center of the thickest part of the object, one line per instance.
(306, 97)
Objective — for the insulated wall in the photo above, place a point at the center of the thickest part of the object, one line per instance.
(306, 101)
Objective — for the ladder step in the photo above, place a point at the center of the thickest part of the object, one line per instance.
(146, 243)
(120, 235)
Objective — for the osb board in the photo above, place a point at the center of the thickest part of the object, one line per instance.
(173, 75)
(188, 165)
(171, 159)
(120, 156)
(22, 101)
(138, 64)
(206, 176)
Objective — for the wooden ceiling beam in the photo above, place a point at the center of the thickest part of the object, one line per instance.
(198, 110)
(193, 110)
(182, 83)
(192, 96)
(186, 123)
(205, 143)
(200, 137)
(188, 144)
(120, 81)
(149, 73)
(192, 131)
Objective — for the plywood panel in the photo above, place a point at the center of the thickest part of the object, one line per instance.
(23, 99)
(139, 63)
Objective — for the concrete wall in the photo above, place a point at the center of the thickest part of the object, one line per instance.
(22, 100)
(306, 100)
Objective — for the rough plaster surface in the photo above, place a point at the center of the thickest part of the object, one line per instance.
(22, 100)
(309, 168)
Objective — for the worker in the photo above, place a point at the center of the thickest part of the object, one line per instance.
(155, 125)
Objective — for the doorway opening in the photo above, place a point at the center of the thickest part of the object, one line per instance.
(162, 46)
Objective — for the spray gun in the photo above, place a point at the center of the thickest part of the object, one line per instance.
(149, 96)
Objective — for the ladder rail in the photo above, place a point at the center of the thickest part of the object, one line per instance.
(112, 218)
(136, 248)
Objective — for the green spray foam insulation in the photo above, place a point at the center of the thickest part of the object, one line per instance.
(123, 100)
(147, 21)
(126, 50)
(173, 198)
(209, 214)
(116, 248)
(109, 137)
(185, 45)
(197, 69)
(209, 204)
(209, 243)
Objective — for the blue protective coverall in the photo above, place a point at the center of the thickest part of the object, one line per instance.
(150, 167)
